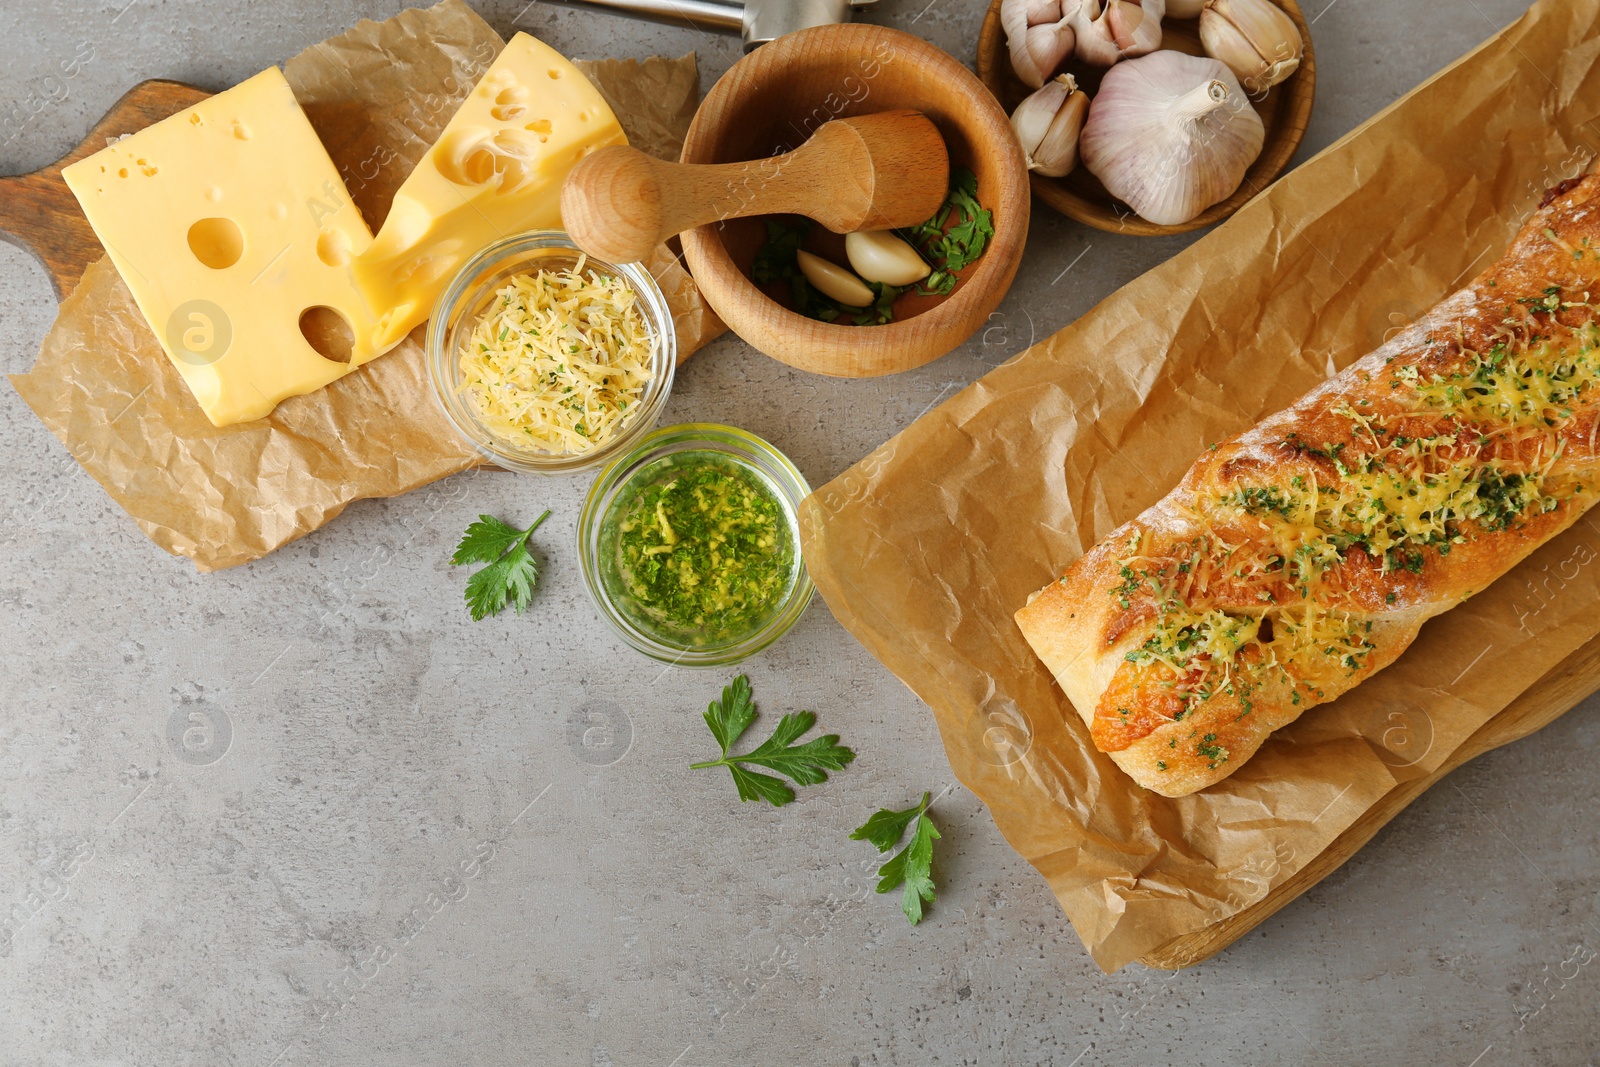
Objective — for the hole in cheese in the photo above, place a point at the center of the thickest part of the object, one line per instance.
(514, 143)
(507, 113)
(464, 157)
(333, 247)
(478, 167)
(475, 156)
(328, 332)
(216, 242)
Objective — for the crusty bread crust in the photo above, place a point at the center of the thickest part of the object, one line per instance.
(1175, 725)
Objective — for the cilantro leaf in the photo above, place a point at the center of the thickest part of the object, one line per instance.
(807, 764)
(512, 570)
(912, 866)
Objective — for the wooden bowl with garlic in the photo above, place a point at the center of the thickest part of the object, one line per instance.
(1151, 117)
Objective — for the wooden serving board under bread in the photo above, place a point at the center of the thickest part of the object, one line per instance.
(39, 214)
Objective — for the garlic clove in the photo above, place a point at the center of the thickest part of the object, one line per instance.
(1125, 20)
(880, 256)
(834, 281)
(1110, 30)
(1038, 36)
(1094, 43)
(1256, 39)
(1048, 124)
(1170, 135)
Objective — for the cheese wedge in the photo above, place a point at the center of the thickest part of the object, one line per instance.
(495, 171)
(233, 230)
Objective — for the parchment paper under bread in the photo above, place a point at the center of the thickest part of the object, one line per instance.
(925, 548)
(378, 96)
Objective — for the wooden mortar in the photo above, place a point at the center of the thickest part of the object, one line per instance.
(770, 102)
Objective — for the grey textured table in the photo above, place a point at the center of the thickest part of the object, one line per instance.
(423, 843)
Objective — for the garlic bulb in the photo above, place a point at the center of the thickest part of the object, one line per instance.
(1109, 30)
(1048, 123)
(834, 281)
(1184, 9)
(1256, 39)
(1039, 36)
(1170, 135)
(880, 256)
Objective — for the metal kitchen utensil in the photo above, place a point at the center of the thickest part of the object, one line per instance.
(757, 21)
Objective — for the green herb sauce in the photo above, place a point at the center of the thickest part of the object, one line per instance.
(697, 550)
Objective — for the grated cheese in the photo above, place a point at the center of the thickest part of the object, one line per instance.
(1536, 387)
(559, 361)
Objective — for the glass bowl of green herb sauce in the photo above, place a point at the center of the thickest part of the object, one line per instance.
(691, 548)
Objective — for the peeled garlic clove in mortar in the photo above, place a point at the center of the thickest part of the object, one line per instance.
(880, 256)
(1170, 135)
(1109, 30)
(1038, 36)
(1256, 39)
(1048, 124)
(834, 281)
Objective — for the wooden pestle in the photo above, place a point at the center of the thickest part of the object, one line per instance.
(870, 172)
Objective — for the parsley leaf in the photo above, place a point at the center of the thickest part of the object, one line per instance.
(807, 764)
(487, 540)
(882, 308)
(964, 242)
(912, 866)
(971, 226)
(731, 716)
(775, 260)
(511, 572)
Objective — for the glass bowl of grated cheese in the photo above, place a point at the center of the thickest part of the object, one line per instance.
(548, 360)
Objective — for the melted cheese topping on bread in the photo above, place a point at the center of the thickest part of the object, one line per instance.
(1384, 495)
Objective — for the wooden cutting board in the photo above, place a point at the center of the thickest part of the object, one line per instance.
(39, 214)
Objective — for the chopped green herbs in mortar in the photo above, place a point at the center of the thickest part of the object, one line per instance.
(697, 550)
(953, 238)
